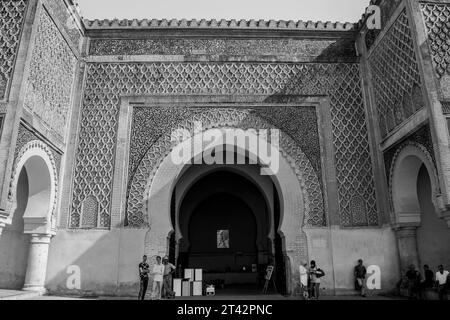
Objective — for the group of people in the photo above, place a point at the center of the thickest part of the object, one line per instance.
(417, 285)
(412, 280)
(310, 280)
(162, 278)
(310, 277)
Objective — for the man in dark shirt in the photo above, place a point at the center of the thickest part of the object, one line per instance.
(144, 269)
(413, 277)
(360, 278)
(428, 282)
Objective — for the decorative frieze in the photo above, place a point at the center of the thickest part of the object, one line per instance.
(342, 50)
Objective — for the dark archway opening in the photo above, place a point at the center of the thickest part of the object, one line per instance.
(225, 223)
(433, 238)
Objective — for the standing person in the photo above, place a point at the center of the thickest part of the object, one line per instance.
(428, 281)
(143, 276)
(169, 269)
(360, 278)
(442, 282)
(315, 274)
(158, 271)
(413, 277)
(304, 279)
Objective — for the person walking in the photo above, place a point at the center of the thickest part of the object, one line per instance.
(143, 276)
(360, 278)
(442, 281)
(158, 271)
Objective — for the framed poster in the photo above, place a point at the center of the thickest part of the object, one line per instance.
(223, 239)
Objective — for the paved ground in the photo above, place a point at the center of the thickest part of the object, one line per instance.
(227, 295)
(252, 298)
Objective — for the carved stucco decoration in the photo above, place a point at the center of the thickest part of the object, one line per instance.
(35, 144)
(396, 77)
(25, 136)
(106, 83)
(225, 118)
(51, 78)
(318, 50)
(12, 17)
(437, 21)
(399, 149)
(66, 13)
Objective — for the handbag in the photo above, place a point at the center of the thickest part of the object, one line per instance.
(320, 273)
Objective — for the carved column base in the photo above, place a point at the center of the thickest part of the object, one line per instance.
(407, 246)
(37, 263)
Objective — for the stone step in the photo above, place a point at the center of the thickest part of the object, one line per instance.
(18, 295)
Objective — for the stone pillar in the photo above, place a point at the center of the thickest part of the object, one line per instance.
(37, 263)
(407, 246)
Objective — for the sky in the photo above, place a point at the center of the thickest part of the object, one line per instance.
(315, 10)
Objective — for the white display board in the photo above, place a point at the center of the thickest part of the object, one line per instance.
(198, 275)
(186, 289)
(197, 288)
(177, 287)
(189, 274)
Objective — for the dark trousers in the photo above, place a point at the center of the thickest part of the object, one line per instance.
(442, 291)
(314, 290)
(143, 288)
(167, 287)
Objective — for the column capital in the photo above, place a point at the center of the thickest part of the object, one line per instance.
(40, 238)
(409, 231)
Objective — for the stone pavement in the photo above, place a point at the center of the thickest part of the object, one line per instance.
(24, 295)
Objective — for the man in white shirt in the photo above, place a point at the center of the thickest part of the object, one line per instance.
(442, 282)
(158, 271)
(304, 279)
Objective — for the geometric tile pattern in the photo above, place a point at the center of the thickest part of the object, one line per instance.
(107, 82)
(52, 73)
(396, 77)
(437, 20)
(12, 16)
(242, 118)
(90, 212)
(65, 13)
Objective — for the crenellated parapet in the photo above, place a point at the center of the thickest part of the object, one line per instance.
(220, 24)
